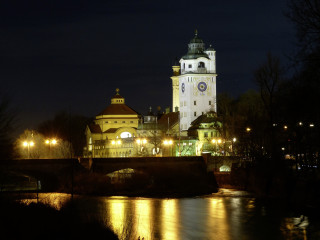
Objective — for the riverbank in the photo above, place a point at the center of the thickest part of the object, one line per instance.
(41, 221)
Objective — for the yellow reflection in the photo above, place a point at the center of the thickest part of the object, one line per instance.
(217, 220)
(143, 219)
(169, 217)
(117, 216)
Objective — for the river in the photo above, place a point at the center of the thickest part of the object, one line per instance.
(226, 215)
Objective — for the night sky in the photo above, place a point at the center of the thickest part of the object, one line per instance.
(72, 55)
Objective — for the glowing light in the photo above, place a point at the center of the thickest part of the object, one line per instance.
(300, 123)
(311, 125)
(113, 142)
(285, 127)
(144, 141)
(248, 129)
(138, 141)
(219, 140)
(54, 141)
(234, 139)
(213, 141)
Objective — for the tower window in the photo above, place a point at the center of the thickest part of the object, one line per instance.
(201, 65)
(195, 114)
(209, 102)
(190, 66)
(194, 102)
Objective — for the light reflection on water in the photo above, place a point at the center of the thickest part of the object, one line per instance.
(211, 217)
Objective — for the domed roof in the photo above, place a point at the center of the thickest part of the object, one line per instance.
(195, 48)
(196, 39)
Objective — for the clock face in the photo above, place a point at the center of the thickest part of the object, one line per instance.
(202, 86)
(182, 87)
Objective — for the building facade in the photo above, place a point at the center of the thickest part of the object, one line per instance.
(194, 83)
(113, 131)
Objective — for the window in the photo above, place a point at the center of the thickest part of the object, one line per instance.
(131, 121)
(194, 102)
(184, 66)
(205, 134)
(190, 66)
(115, 121)
(211, 134)
(106, 122)
(123, 121)
(195, 114)
(201, 65)
(209, 102)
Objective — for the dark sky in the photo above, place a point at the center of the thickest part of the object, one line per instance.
(72, 55)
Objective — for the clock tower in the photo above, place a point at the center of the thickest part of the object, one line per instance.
(194, 89)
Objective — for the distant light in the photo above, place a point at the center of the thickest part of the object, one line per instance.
(300, 123)
(54, 141)
(119, 142)
(113, 142)
(138, 141)
(31, 144)
(311, 125)
(219, 140)
(248, 129)
(47, 141)
(283, 149)
(144, 141)
(25, 144)
(213, 141)
(190, 144)
(274, 124)
(234, 139)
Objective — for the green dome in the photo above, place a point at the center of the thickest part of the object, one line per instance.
(195, 48)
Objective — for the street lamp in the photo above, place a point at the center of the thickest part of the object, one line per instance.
(28, 144)
(51, 142)
(141, 142)
(168, 142)
(216, 142)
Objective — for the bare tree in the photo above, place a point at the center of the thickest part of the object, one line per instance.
(305, 14)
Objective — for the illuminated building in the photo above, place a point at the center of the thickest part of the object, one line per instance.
(113, 131)
(194, 83)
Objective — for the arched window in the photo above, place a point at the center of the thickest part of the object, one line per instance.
(201, 65)
(125, 135)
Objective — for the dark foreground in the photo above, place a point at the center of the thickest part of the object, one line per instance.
(39, 221)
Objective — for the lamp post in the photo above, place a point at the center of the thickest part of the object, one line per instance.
(141, 142)
(28, 144)
(168, 142)
(51, 142)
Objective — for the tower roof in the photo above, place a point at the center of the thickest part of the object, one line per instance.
(196, 39)
(118, 107)
(195, 48)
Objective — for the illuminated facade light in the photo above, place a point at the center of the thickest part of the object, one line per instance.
(248, 129)
(300, 123)
(285, 127)
(311, 125)
(234, 139)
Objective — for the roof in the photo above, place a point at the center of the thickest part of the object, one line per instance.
(196, 48)
(94, 128)
(111, 130)
(172, 116)
(118, 109)
(208, 117)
